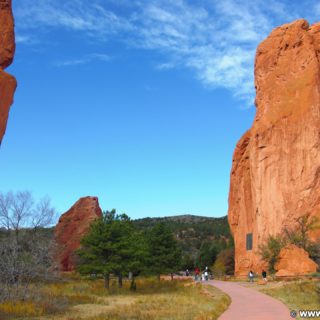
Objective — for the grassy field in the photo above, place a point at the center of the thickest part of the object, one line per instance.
(74, 299)
(296, 294)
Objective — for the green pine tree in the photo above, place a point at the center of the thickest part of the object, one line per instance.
(112, 245)
(164, 253)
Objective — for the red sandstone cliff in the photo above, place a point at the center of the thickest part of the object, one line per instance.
(275, 175)
(7, 48)
(72, 226)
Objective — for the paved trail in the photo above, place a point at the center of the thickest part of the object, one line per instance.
(249, 304)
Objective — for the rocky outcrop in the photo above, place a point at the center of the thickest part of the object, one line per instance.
(275, 175)
(7, 49)
(7, 42)
(294, 261)
(71, 228)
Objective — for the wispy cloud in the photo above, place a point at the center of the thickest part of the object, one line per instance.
(76, 15)
(83, 60)
(26, 39)
(166, 66)
(215, 39)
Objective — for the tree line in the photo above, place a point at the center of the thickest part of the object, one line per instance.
(202, 240)
(115, 246)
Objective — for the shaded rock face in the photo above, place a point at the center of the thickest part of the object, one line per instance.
(7, 49)
(71, 228)
(294, 261)
(275, 175)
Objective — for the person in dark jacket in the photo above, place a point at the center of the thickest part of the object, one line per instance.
(264, 275)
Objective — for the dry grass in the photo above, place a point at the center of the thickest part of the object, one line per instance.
(302, 294)
(47, 299)
(20, 308)
(87, 299)
(297, 294)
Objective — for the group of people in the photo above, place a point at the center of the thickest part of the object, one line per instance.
(263, 274)
(204, 276)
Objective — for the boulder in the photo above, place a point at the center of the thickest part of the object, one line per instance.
(294, 261)
(72, 226)
(7, 49)
(275, 176)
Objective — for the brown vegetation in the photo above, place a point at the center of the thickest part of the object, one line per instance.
(88, 299)
(25, 250)
(297, 295)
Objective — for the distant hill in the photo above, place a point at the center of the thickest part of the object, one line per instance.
(200, 238)
(186, 218)
(190, 225)
(194, 232)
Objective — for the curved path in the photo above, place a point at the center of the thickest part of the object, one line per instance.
(250, 304)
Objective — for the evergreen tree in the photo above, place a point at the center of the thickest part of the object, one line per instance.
(96, 250)
(112, 245)
(164, 253)
(206, 256)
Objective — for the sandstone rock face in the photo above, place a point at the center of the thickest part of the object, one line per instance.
(8, 86)
(294, 261)
(7, 49)
(275, 175)
(7, 41)
(71, 228)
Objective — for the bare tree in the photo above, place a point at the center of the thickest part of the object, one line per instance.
(25, 247)
(18, 210)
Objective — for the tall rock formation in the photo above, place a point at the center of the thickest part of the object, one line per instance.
(7, 48)
(275, 175)
(71, 228)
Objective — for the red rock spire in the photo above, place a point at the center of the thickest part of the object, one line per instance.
(7, 48)
(71, 228)
(275, 175)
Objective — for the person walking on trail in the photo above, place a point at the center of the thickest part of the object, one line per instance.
(206, 274)
(196, 273)
(251, 275)
(264, 276)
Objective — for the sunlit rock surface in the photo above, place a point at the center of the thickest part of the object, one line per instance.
(294, 261)
(275, 175)
(7, 48)
(71, 228)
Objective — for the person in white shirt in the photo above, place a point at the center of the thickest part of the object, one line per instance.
(251, 275)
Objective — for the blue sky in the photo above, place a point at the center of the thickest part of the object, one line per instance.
(140, 103)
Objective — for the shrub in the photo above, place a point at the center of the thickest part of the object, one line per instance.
(224, 263)
(299, 236)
